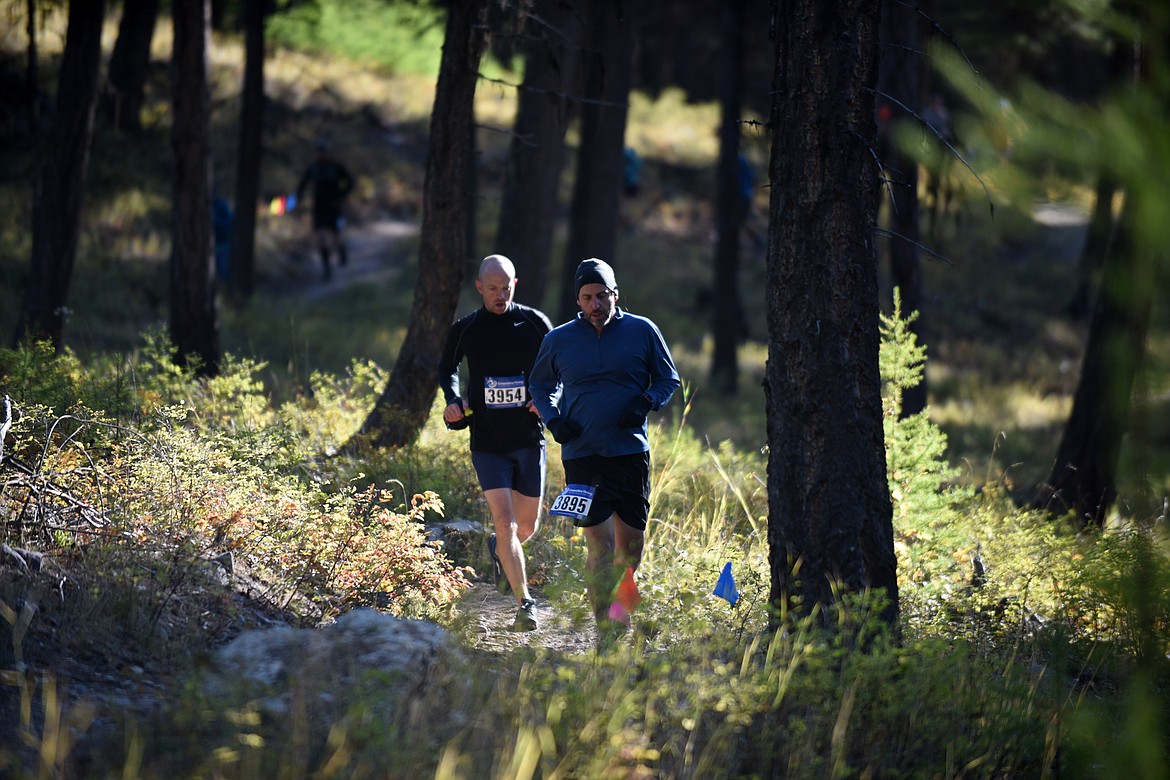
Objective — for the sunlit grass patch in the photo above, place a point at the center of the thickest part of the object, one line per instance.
(668, 127)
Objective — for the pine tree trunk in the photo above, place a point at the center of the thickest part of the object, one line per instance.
(194, 318)
(402, 409)
(241, 265)
(730, 208)
(1083, 480)
(593, 213)
(901, 65)
(130, 64)
(830, 522)
(60, 185)
(528, 211)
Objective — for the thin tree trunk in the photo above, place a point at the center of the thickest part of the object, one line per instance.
(402, 409)
(730, 209)
(241, 264)
(528, 210)
(194, 319)
(32, 77)
(901, 75)
(606, 71)
(830, 522)
(1121, 69)
(1084, 476)
(60, 185)
(1097, 238)
(130, 64)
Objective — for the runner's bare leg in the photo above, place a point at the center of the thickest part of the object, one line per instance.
(514, 519)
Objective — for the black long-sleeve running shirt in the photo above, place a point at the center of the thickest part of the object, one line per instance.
(500, 350)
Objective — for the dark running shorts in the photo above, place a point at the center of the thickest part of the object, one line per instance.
(623, 486)
(326, 219)
(521, 470)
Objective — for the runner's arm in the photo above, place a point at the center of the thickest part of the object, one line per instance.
(664, 378)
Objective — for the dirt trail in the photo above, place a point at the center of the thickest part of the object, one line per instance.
(369, 258)
(487, 616)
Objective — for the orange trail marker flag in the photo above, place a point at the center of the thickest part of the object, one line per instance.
(725, 587)
(627, 591)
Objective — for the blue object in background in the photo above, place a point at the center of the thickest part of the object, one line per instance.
(221, 221)
(725, 587)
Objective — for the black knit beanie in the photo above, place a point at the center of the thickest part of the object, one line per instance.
(594, 271)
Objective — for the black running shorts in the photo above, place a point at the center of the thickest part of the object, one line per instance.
(623, 486)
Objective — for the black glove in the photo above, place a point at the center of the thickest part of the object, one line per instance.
(461, 423)
(635, 414)
(562, 430)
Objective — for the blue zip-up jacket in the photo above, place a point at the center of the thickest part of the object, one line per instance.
(590, 378)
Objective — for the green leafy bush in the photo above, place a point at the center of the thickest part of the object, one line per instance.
(402, 37)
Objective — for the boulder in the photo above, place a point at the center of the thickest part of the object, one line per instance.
(394, 663)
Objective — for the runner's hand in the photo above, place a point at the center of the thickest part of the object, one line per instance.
(455, 411)
(562, 430)
(635, 414)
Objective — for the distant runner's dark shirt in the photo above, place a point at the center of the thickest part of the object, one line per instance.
(500, 350)
(331, 184)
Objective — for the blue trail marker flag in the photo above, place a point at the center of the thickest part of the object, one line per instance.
(725, 587)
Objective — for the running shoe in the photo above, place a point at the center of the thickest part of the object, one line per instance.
(498, 576)
(526, 616)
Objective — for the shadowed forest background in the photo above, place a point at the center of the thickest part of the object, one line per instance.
(1054, 626)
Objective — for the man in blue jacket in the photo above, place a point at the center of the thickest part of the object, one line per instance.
(595, 379)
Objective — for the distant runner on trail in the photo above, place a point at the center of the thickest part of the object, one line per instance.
(331, 184)
(595, 379)
(500, 341)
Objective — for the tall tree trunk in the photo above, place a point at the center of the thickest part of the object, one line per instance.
(60, 185)
(606, 72)
(730, 209)
(1084, 475)
(900, 75)
(528, 209)
(1101, 223)
(194, 319)
(241, 266)
(1097, 238)
(830, 519)
(402, 409)
(1083, 479)
(130, 64)
(32, 77)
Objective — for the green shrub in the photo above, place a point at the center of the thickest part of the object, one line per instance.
(402, 37)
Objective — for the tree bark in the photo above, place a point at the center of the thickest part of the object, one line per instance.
(900, 75)
(528, 210)
(130, 64)
(1097, 238)
(32, 78)
(830, 519)
(194, 318)
(1084, 475)
(730, 209)
(401, 411)
(1101, 223)
(606, 72)
(241, 265)
(60, 186)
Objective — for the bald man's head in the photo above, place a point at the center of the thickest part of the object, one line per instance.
(497, 264)
(496, 283)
